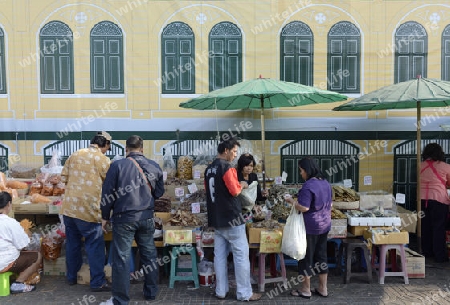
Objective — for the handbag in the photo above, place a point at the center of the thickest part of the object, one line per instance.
(294, 236)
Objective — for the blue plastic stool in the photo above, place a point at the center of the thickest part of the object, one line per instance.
(4, 283)
(174, 266)
(338, 245)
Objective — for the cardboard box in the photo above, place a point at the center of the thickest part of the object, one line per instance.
(178, 235)
(254, 234)
(338, 228)
(380, 238)
(270, 241)
(356, 230)
(371, 201)
(408, 219)
(344, 205)
(415, 264)
(56, 267)
(165, 216)
(31, 208)
(84, 275)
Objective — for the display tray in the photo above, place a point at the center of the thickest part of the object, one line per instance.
(374, 221)
(344, 205)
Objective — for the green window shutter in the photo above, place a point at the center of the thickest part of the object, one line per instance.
(107, 70)
(56, 43)
(2, 64)
(178, 59)
(225, 63)
(296, 53)
(411, 51)
(445, 54)
(344, 57)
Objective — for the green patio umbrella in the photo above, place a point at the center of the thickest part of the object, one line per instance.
(416, 93)
(262, 93)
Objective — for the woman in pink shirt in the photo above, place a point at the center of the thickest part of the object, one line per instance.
(434, 179)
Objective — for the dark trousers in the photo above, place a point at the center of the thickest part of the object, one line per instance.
(433, 230)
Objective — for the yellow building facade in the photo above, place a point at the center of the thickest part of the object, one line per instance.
(125, 66)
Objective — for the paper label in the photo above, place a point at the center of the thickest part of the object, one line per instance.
(400, 198)
(284, 175)
(164, 176)
(179, 192)
(348, 183)
(278, 180)
(192, 188)
(367, 180)
(196, 174)
(195, 206)
(270, 241)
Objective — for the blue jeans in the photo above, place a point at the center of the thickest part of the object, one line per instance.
(123, 233)
(94, 243)
(234, 239)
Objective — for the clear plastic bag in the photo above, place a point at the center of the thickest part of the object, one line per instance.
(169, 164)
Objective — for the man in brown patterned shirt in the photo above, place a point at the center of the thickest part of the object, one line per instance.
(84, 173)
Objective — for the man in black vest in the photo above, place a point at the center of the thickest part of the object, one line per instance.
(224, 214)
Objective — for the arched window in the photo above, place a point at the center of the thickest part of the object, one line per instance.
(56, 44)
(225, 55)
(106, 58)
(344, 58)
(411, 52)
(445, 51)
(297, 47)
(178, 60)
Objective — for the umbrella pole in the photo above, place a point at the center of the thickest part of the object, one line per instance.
(263, 144)
(419, 205)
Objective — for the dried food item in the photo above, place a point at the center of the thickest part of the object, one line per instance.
(51, 246)
(342, 193)
(267, 224)
(280, 211)
(38, 198)
(185, 219)
(337, 214)
(26, 225)
(163, 205)
(35, 188)
(158, 223)
(2, 181)
(15, 184)
(59, 189)
(54, 179)
(176, 181)
(12, 192)
(47, 189)
(169, 164)
(184, 167)
(276, 193)
(198, 196)
(23, 171)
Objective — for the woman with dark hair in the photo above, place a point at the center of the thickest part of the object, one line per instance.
(245, 165)
(434, 179)
(314, 201)
(12, 240)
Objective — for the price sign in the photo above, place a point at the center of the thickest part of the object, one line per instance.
(348, 183)
(164, 176)
(284, 175)
(400, 198)
(179, 192)
(192, 188)
(278, 180)
(196, 174)
(195, 206)
(367, 180)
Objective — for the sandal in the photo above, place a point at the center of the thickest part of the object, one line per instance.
(318, 293)
(298, 293)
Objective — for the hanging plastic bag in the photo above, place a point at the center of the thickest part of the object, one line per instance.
(169, 164)
(294, 236)
(248, 196)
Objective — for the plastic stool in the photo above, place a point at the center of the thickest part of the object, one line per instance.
(4, 283)
(288, 261)
(338, 244)
(348, 245)
(174, 266)
(262, 280)
(384, 249)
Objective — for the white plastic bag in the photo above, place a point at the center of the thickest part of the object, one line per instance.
(294, 236)
(248, 196)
